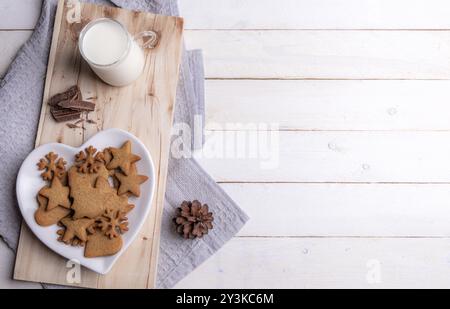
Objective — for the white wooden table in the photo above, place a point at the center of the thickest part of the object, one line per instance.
(361, 92)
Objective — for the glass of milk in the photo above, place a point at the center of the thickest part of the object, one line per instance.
(112, 53)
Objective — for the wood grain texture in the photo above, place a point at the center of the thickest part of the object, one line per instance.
(315, 54)
(290, 156)
(144, 108)
(326, 263)
(7, 258)
(281, 255)
(343, 210)
(282, 14)
(323, 54)
(330, 104)
(315, 14)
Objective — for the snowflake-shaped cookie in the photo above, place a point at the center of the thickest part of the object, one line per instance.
(52, 166)
(89, 160)
(111, 223)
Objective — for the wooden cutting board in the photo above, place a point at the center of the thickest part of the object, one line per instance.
(144, 108)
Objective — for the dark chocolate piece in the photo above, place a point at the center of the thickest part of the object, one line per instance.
(77, 105)
(72, 93)
(61, 115)
(67, 117)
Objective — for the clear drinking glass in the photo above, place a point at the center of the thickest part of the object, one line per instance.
(112, 53)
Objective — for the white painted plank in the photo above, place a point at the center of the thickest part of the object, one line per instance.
(314, 54)
(11, 42)
(316, 14)
(296, 156)
(324, 54)
(312, 105)
(325, 263)
(7, 258)
(387, 210)
(22, 14)
(283, 14)
(330, 105)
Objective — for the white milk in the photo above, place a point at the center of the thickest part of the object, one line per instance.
(111, 52)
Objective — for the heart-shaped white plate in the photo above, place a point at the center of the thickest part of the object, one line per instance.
(29, 182)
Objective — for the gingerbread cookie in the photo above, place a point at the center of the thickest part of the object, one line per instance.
(99, 244)
(122, 158)
(76, 178)
(57, 194)
(89, 201)
(90, 211)
(130, 183)
(74, 242)
(107, 156)
(117, 202)
(76, 228)
(46, 217)
(113, 223)
(52, 166)
(89, 160)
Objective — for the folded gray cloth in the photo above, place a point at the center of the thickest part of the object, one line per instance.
(20, 101)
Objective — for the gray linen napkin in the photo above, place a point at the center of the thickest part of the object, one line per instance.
(20, 101)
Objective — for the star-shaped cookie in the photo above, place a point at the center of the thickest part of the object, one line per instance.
(76, 228)
(45, 217)
(131, 182)
(122, 158)
(57, 194)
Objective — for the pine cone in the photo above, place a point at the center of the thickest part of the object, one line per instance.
(193, 220)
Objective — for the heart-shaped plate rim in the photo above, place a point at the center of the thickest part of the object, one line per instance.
(29, 182)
